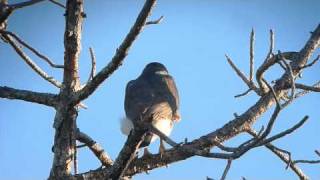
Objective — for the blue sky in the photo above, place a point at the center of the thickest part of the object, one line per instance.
(191, 42)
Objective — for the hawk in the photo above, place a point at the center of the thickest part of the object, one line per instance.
(154, 95)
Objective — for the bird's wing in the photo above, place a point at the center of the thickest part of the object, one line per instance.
(153, 98)
(172, 88)
(138, 99)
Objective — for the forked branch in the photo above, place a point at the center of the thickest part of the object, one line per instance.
(36, 52)
(29, 61)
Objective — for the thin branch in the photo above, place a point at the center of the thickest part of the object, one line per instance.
(127, 153)
(29, 61)
(268, 62)
(158, 21)
(290, 73)
(24, 4)
(252, 39)
(284, 133)
(306, 161)
(121, 52)
(30, 96)
(97, 150)
(285, 156)
(93, 64)
(58, 3)
(241, 75)
(36, 52)
(226, 170)
(312, 63)
(302, 93)
(243, 94)
(307, 88)
(271, 43)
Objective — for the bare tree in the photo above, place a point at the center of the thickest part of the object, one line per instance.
(66, 103)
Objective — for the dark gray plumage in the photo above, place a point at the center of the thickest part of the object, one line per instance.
(153, 94)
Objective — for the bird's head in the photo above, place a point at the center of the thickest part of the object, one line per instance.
(155, 68)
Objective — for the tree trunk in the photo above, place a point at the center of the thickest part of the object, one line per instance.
(66, 115)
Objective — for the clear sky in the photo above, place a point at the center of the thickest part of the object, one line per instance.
(191, 42)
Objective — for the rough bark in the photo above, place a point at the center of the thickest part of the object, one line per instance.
(30, 96)
(65, 119)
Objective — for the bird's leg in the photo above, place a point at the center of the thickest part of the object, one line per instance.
(146, 152)
(161, 148)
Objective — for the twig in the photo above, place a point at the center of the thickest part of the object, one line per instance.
(306, 161)
(302, 93)
(307, 88)
(284, 133)
(271, 43)
(225, 172)
(268, 62)
(34, 66)
(243, 94)
(30, 96)
(58, 3)
(158, 21)
(95, 148)
(24, 4)
(289, 70)
(312, 63)
(36, 52)
(121, 53)
(93, 65)
(241, 75)
(284, 155)
(252, 39)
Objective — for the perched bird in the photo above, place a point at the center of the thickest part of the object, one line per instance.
(154, 95)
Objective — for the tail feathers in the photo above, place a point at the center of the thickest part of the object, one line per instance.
(126, 125)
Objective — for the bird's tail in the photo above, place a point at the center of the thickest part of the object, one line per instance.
(126, 125)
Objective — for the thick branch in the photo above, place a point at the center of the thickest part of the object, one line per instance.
(121, 52)
(95, 148)
(30, 96)
(126, 154)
